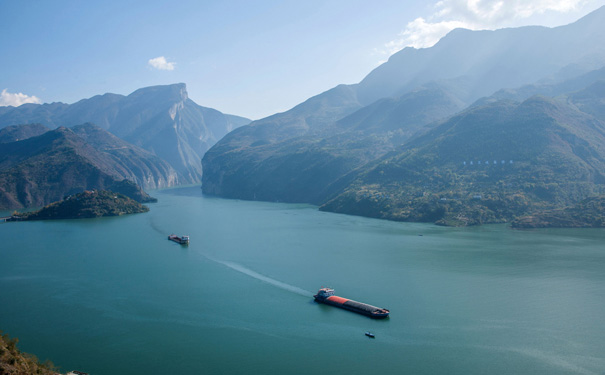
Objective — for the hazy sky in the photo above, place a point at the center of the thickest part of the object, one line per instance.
(249, 58)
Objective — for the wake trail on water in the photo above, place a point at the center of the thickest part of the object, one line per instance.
(258, 276)
(246, 271)
(154, 225)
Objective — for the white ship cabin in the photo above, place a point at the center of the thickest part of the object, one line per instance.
(325, 292)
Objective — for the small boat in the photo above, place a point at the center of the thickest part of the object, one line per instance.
(370, 334)
(183, 240)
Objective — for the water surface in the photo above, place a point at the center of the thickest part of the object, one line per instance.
(114, 296)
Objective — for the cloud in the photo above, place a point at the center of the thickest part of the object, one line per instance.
(475, 15)
(420, 33)
(15, 100)
(492, 14)
(160, 63)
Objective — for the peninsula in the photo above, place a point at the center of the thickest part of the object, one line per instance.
(88, 204)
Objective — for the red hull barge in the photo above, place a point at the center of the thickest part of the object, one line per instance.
(326, 296)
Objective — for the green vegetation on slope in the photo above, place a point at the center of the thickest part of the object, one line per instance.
(89, 204)
(14, 362)
(589, 213)
(486, 165)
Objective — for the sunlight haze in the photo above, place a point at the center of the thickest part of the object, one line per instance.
(243, 58)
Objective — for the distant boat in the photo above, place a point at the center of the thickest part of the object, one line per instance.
(370, 334)
(183, 240)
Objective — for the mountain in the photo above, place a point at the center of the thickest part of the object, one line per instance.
(45, 168)
(19, 132)
(308, 117)
(482, 62)
(405, 114)
(551, 87)
(314, 151)
(590, 99)
(159, 119)
(233, 165)
(129, 161)
(302, 167)
(489, 163)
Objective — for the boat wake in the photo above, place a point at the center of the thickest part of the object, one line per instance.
(266, 279)
(155, 227)
(258, 276)
(247, 271)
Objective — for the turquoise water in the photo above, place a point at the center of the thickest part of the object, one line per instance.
(114, 296)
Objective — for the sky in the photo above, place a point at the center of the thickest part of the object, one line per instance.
(247, 58)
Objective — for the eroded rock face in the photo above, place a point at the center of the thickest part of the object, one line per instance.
(159, 119)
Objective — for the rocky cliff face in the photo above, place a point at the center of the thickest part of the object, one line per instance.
(129, 161)
(159, 119)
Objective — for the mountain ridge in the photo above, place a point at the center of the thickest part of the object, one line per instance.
(300, 168)
(159, 119)
(45, 168)
(480, 54)
(403, 101)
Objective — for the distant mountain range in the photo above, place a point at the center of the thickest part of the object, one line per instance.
(159, 119)
(477, 63)
(485, 126)
(39, 166)
(526, 103)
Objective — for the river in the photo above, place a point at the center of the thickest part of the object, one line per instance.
(114, 296)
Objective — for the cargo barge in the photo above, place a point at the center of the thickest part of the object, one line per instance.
(183, 240)
(326, 295)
